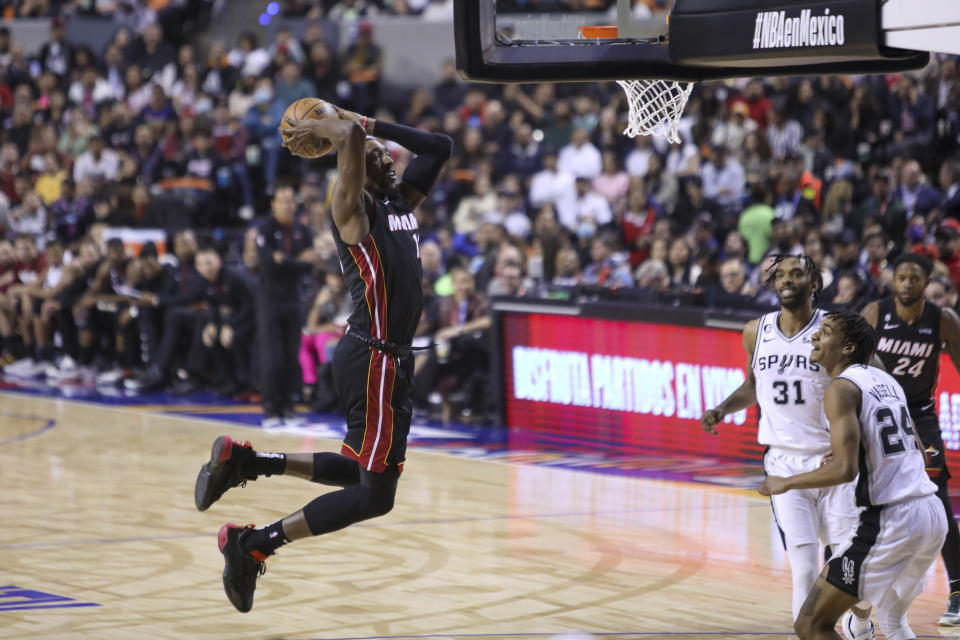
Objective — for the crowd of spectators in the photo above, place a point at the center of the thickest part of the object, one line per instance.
(138, 12)
(543, 197)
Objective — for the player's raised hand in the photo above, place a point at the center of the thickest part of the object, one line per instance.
(710, 419)
(772, 485)
(298, 132)
(347, 115)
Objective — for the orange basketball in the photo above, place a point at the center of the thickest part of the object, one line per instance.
(309, 108)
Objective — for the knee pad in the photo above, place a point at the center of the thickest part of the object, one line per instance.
(335, 469)
(381, 489)
(380, 503)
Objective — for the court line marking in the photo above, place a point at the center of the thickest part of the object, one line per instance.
(560, 634)
(401, 523)
(49, 606)
(686, 485)
(134, 409)
(50, 424)
(572, 634)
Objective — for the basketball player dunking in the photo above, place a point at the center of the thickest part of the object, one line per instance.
(378, 246)
(910, 333)
(902, 525)
(789, 390)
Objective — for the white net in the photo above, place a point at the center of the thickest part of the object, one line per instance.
(656, 107)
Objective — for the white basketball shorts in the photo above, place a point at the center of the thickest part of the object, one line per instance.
(891, 549)
(808, 516)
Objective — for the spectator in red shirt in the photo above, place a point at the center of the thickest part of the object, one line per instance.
(8, 266)
(637, 223)
(474, 108)
(758, 104)
(8, 278)
(947, 239)
(30, 262)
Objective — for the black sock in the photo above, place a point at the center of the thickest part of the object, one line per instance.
(86, 355)
(266, 464)
(266, 540)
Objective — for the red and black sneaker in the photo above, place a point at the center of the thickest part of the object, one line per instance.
(225, 470)
(241, 568)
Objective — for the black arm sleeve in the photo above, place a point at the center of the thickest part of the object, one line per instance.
(432, 152)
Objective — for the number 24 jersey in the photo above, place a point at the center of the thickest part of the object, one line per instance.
(891, 463)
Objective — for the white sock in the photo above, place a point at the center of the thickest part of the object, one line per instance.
(859, 625)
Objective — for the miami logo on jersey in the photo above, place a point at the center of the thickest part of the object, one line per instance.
(407, 222)
(905, 347)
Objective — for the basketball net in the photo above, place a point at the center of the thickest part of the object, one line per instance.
(656, 106)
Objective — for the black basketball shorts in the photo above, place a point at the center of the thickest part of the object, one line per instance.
(375, 391)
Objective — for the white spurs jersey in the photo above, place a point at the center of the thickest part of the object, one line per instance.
(892, 466)
(789, 387)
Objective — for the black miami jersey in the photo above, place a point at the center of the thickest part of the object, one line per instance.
(911, 352)
(383, 274)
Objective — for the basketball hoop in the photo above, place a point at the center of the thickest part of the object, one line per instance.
(656, 106)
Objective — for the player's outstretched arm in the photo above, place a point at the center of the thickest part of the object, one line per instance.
(431, 152)
(745, 395)
(841, 404)
(421, 172)
(950, 332)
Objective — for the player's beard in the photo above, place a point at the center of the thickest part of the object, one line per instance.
(801, 296)
(909, 302)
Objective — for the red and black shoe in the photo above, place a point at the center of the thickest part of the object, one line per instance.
(225, 470)
(241, 568)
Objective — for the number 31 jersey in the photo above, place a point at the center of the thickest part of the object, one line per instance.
(789, 387)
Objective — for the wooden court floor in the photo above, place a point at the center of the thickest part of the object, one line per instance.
(99, 538)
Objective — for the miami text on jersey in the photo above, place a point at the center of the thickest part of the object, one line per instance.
(905, 347)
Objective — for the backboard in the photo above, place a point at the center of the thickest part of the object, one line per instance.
(520, 41)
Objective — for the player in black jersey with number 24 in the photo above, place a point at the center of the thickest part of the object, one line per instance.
(379, 249)
(910, 333)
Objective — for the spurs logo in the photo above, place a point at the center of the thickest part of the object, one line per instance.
(786, 362)
(849, 571)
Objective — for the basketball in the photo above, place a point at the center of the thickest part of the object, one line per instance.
(316, 109)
